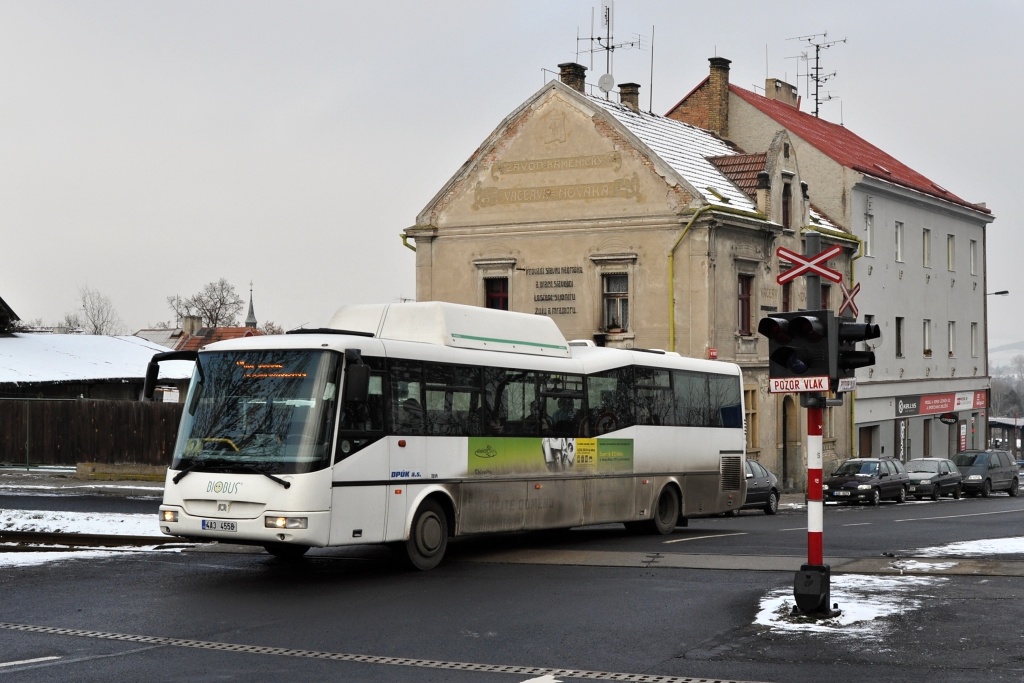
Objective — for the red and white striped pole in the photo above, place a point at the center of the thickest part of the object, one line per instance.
(815, 504)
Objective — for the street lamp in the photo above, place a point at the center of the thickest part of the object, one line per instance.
(1001, 292)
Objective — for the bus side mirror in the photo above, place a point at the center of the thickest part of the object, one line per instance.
(152, 372)
(357, 382)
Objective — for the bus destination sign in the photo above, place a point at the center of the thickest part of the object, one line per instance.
(791, 385)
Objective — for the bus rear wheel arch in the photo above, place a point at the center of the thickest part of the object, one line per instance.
(428, 536)
(665, 517)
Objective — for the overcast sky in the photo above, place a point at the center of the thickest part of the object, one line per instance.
(148, 148)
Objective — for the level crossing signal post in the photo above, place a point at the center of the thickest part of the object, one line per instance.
(813, 353)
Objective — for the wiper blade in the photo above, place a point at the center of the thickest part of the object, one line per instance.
(196, 466)
(256, 470)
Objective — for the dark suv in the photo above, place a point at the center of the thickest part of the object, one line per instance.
(988, 471)
(867, 480)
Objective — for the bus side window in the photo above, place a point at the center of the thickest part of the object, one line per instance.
(366, 415)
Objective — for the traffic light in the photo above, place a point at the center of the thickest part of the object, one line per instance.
(800, 344)
(848, 333)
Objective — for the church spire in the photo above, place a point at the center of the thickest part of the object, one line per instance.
(250, 320)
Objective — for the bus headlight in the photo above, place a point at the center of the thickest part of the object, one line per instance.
(168, 515)
(285, 522)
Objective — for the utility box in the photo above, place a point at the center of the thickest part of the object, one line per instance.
(811, 588)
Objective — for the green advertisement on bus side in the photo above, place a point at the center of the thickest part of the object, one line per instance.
(507, 455)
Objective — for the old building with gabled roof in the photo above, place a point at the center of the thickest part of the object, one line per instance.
(920, 267)
(632, 230)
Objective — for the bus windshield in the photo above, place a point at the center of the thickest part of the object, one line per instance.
(267, 411)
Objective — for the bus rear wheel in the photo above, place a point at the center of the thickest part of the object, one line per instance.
(428, 538)
(666, 512)
(286, 551)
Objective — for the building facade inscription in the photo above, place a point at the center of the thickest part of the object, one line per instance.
(623, 188)
(553, 292)
(611, 160)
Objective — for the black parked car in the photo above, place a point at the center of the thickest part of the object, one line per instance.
(762, 489)
(988, 471)
(867, 480)
(934, 477)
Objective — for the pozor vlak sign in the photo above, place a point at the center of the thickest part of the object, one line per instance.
(788, 385)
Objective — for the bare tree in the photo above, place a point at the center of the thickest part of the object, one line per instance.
(97, 314)
(1017, 363)
(270, 327)
(218, 304)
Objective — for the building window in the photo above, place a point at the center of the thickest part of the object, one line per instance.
(745, 308)
(616, 272)
(496, 293)
(899, 241)
(787, 292)
(899, 337)
(926, 248)
(750, 410)
(926, 337)
(950, 253)
(869, 233)
(787, 201)
(616, 301)
(974, 257)
(951, 334)
(974, 340)
(828, 423)
(826, 297)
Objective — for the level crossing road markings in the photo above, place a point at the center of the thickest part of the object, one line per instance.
(547, 673)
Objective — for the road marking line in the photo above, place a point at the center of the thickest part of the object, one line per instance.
(859, 524)
(700, 538)
(973, 514)
(29, 661)
(534, 671)
(796, 528)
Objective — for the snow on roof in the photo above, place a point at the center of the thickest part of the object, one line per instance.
(78, 357)
(687, 150)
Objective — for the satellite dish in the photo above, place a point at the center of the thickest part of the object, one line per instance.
(606, 83)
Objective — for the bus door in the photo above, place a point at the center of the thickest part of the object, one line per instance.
(361, 473)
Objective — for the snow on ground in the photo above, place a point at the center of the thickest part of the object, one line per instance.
(46, 521)
(72, 523)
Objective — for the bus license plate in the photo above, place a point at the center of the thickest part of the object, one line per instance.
(217, 525)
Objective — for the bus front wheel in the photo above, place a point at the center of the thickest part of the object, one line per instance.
(428, 538)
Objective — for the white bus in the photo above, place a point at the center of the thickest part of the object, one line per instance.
(411, 423)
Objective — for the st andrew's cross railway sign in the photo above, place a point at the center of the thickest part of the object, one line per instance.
(808, 265)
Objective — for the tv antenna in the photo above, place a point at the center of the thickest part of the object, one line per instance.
(604, 43)
(818, 42)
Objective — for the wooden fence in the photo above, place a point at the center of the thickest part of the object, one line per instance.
(67, 432)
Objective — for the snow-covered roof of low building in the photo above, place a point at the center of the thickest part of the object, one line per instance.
(81, 357)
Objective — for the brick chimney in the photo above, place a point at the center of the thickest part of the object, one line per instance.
(629, 95)
(573, 75)
(718, 96)
(764, 186)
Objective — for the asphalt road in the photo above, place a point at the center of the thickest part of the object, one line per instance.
(597, 602)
